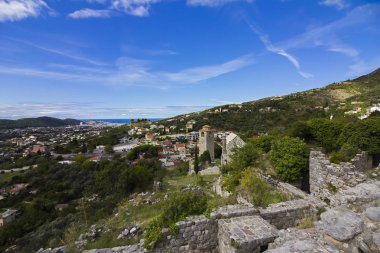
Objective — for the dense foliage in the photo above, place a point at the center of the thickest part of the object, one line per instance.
(90, 190)
(290, 158)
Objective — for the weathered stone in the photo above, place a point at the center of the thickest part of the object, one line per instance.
(244, 234)
(376, 238)
(373, 213)
(364, 247)
(341, 223)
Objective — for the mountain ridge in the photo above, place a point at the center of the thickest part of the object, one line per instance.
(36, 122)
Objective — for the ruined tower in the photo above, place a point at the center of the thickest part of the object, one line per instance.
(206, 141)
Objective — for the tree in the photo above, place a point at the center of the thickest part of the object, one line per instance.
(217, 151)
(245, 156)
(80, 159)
(300, 129)
(363, 134)
(84, 148)
(109, 149)
(196, 162)
(264, 142)
(290, 157)
(205, 157)
(326, 132)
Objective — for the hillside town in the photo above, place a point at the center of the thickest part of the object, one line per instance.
(175, 148)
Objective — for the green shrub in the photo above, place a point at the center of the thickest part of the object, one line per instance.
(260, 192)
(345, 154)
(290, 158)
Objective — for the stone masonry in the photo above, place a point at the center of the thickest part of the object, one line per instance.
(327, 178)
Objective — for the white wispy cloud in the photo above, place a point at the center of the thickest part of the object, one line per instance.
(138, 8)
(130, 72)
(361, 67)
(277, 50)
(193, 75)
(40, 73)
(90, 13)
(344, 50)
(339, 4)
(329, 36)
(14, 10)
(61, 52)
(326, 36)
(130, 49)
(92, 110)
(213, 3)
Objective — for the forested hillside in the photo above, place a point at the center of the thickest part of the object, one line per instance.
(263, 115)
(36, 122)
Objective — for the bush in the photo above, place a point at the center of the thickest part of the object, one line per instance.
(264, 142)
(245, 157)
(326, 132)
(260, 192)
(345, 154)
(290, 158)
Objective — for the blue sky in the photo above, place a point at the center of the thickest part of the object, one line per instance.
(159, 58)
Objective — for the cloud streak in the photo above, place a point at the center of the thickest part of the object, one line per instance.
(92, 110)
(60, 52)
(271, 48)
(197, 74)
(131, 72)
(326, 36)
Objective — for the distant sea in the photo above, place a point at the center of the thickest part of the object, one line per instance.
(118, 121)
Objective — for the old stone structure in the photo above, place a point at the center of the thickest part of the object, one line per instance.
(206, 141)
(230, 143)
(195, 234)
(327, 178)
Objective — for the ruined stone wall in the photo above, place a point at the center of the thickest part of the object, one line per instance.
(195, 234)
(327, 178)
(290, 213)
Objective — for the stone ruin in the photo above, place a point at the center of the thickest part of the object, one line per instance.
(343, 218)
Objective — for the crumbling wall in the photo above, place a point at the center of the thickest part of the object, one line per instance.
(327, 178)
(290, 213)
(195, 234)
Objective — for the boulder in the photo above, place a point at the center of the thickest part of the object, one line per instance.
(340, 223)
(373, 213)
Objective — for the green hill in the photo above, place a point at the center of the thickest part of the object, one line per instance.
(36, 122)
(271, 113)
